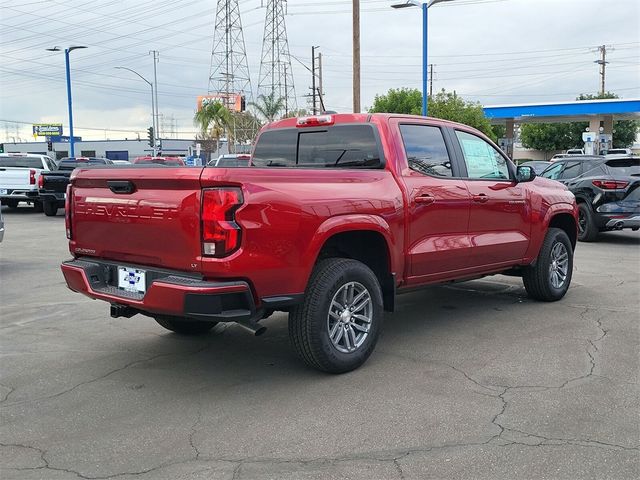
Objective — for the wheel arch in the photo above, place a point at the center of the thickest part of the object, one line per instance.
(366, 238)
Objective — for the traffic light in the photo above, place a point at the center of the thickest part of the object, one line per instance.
(1, 147)
(150, 136)
(243, 103)
(49, 146)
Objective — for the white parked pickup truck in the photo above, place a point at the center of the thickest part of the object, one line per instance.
(19, 173)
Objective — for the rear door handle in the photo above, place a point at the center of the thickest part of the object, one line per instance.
(425, 199)
(480, 198)
(121, 186)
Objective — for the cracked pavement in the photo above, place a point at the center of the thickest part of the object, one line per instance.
(471, 380)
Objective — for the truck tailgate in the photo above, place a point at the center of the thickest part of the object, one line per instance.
(12, 178)
(155, 224)
(56, 181)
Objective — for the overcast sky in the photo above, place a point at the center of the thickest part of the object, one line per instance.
(491, 51)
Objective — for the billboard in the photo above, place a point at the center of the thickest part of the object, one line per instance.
(234, 101)
(47, 129)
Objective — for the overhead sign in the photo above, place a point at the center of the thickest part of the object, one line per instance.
(233, 101)
(47, 129)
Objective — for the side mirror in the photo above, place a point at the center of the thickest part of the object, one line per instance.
(525, 174)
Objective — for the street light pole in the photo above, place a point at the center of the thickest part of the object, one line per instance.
(69, 101)
(153, 110)
(425, 63)
(425, 24)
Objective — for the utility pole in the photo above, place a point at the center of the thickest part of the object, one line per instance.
(313, 79)
(320, 91)
(430, 80)
(156, 58)
(603, 63)
(356, 56)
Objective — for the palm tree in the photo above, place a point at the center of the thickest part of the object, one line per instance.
(212, 119)
(269, 106)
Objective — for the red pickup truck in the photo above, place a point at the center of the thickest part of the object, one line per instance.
(335, 216)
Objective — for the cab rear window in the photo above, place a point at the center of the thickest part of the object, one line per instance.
(341, 146)
(23, 162)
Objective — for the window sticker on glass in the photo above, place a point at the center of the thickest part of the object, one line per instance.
(482, 160)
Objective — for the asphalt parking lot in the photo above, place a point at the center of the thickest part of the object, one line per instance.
(471, 380)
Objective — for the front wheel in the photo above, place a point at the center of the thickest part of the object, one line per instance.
(184, 327)
(549, 279)
(337, 326)
(50, 208)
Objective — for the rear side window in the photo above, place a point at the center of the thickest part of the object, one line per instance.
(553, 171)
(624, 166)
(342, 146)
(426, 150)
(23, 162)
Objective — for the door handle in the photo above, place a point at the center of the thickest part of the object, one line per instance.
(121, 186)
(425, 199)
(480, 198)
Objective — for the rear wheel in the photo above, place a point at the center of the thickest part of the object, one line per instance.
(587, 230)
(50, 208)
(184, 327)
(337, 326)
(549, 279)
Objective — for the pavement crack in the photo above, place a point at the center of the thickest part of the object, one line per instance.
(105, 375)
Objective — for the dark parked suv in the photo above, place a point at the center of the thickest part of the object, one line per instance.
(605, 190)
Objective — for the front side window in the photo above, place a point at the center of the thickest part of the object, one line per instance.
(482, 159)
(426, 150)
(553, 172)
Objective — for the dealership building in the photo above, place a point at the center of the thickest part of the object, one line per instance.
(112, 149)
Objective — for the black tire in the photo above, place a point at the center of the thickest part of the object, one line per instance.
(11, 203)
(37, 206)
(538, 279)
(309, 322)
(50, 208)
(184, 327)
(587, 230)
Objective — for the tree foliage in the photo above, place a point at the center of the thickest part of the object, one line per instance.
(445, 105)
(548, 137)
(450, 106)
(402, 100)
(212, 120)
(269, 106)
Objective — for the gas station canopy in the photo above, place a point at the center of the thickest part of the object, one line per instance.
(560, 112)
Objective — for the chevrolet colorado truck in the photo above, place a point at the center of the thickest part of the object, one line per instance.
(335, 216)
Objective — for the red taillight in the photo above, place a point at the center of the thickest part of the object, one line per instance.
(68, 202)
(220, 232)
(40, 182)
(315, 121)
(32, 177)
(610, 184)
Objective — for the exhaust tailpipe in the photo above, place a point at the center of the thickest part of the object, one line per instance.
(252, 326)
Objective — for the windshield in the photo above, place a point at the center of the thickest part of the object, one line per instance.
(23, 162)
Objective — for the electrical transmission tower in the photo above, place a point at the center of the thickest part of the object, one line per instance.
(229, 79)
(276, 75)
(229, 72)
